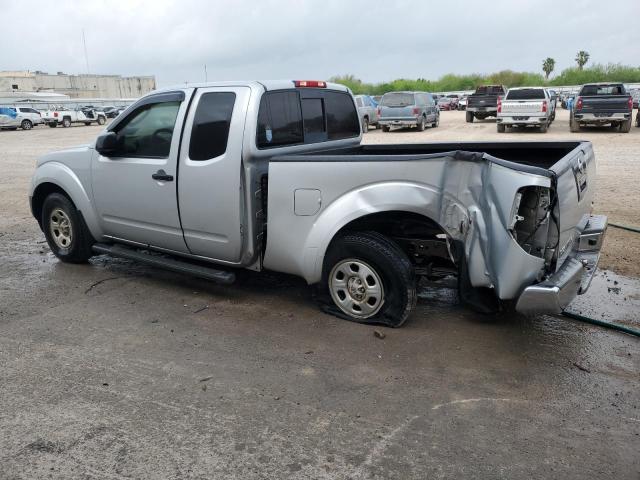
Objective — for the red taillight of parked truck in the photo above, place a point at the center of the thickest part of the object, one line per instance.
(579, 103)
(630, 103)
(55, 114)
(544, 106)
(499, 105)
(416, 111)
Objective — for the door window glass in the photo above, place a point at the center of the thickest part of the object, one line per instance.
(147, 132)
(211, 125)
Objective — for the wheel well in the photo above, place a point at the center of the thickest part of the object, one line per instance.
(420, 237)
(41, 192)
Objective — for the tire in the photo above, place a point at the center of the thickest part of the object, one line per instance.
(66, 122)
(469, 117)
(625, 127)
(53, 124)
(500, 127)
(101, 120)
(365, 124)
(436, 124)
(71, 242)
(370, 265)
(638, 119)
(88, 124)
(544, 127)
(385, 128)
(420, 125)
(26, 125)
(573, 125)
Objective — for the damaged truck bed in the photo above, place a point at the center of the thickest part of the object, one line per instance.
(514, 219)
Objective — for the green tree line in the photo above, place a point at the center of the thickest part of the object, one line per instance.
(452, 82)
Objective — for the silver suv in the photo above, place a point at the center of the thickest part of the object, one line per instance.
(408, 109)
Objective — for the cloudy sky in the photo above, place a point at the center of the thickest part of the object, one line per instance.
(266, 39)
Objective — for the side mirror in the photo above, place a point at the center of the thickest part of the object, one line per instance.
(107, 144)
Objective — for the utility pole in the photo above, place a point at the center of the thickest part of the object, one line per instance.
(86, 56)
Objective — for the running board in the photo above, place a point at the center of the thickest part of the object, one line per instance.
(162, 261)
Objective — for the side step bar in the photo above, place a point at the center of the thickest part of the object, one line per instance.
(161, 261)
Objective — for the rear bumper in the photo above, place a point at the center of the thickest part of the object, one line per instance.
(522, 120)
(490, 109)
(398, 122)
(573, 277)
(594, 118)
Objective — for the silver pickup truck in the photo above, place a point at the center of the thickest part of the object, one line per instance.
(271, 175)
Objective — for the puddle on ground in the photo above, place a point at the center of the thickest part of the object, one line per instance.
(612, 298)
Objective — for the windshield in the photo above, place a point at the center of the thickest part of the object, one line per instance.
(397, 100)
(526, 94)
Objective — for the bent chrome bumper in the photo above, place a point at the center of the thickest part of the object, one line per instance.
(573, 277)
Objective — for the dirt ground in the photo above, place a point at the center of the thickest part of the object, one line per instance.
(114, 370)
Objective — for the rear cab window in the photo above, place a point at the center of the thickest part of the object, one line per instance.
(526, 94)
(304, 116)
(594, 90)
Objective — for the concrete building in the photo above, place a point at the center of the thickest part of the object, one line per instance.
(75, 86)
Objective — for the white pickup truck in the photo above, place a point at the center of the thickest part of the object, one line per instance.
(271, 175)
(64, 117)
(525, 107)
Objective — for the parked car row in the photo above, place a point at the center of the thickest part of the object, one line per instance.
(14, 117)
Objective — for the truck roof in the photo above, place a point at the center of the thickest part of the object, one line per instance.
(266, 84)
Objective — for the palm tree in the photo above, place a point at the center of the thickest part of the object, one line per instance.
(582, 58)
(547, 66)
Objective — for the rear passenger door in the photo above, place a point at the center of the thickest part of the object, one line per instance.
(210, 171)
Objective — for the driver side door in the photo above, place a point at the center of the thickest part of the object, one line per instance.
(135, 188)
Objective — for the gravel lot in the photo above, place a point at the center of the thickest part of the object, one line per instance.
(114, 370)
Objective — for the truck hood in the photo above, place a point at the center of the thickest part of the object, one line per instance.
(72, 157)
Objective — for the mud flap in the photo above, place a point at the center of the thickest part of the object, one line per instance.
(480, 299)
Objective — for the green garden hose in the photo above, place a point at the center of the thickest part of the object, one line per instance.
(625, 227)
(593, 321)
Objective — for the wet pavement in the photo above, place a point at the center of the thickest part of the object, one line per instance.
(114, 370)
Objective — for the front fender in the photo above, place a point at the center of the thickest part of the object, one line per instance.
(62, 176)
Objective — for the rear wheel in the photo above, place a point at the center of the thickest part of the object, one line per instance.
(369, 279)
(26, 125)
(65, 231)
(638, 119)
(543, 128)
(365, 125)
(386, 128)
(53, 124)
(421, 124)
(574, 126)
(101, 120)
(87, 124)
(625, 127)
(500, 127)
(469, 117)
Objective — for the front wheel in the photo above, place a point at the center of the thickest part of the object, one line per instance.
(436, 124)
(638, 119)
(469, 117)
(365, 125)
(65, 231)
(66, 122)
(369, 279)
(101, 120)
(26, 125)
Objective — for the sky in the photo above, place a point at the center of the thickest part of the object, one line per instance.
(312, 39)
